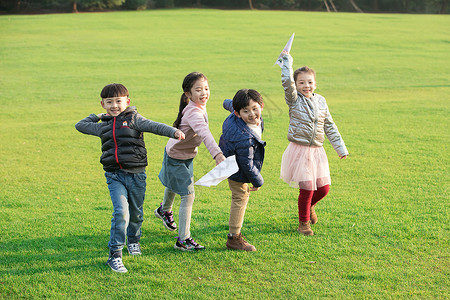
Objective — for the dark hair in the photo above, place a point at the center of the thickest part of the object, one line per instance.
(306, 70)
(187, 85)
(114, 90)
(243, 97)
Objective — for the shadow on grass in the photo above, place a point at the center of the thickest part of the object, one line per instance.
(53, 254)
(78, 252)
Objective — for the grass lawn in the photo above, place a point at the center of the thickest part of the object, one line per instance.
(383, 230)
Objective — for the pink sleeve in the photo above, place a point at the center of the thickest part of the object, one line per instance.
(196, 119)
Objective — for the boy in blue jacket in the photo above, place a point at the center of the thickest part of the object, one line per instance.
(241, 136)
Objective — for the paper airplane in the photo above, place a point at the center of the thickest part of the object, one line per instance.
(287, 48)
(222, 171)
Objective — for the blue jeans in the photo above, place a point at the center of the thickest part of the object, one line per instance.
(127, 192)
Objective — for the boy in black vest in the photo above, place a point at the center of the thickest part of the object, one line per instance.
(124, 159)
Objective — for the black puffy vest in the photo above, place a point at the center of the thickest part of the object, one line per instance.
(122, 146)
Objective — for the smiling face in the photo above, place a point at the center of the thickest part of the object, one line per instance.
(115, 105)
(305, 84)
(250, 114)
(199, 93)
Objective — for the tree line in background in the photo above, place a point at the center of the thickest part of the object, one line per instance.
(361, 6)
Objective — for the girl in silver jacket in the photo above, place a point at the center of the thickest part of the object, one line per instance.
(304, 164)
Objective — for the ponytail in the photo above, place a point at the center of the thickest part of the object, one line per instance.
(183, 103)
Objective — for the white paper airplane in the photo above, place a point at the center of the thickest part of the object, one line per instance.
(287, 48)
(222, 171)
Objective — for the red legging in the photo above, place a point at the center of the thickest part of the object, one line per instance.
(308, 198)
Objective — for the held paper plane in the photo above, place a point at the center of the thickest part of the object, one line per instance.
(222, 171)
(287, 48)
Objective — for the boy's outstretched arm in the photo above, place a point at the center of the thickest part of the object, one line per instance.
(89, 125)
(228, 105)
(145, 125)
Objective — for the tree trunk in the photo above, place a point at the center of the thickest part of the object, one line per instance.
(405, 6)
(326, 4)
(355, 6)
(250, 3)
(74, 7)
(443, 7)
(375, 5)
(332, 4)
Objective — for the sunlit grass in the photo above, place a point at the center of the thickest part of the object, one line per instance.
(383, 230)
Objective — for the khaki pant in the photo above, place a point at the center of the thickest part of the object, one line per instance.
(239, 199)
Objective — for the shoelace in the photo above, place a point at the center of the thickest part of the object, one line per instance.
(186, 241)
(117, 263)
(169, 216)
(192, 242)
(240, 239)
(134, 247)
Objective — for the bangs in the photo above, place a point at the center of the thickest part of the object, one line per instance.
(114, 90)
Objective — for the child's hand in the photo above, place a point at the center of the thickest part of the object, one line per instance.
(254, 189)
(284, 52)
(219, 158)
(100, 115)
(343, 156)
(179, 135)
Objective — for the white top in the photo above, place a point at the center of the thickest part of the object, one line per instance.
(256, 129)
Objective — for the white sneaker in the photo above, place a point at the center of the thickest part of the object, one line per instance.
(116, 264)
(134, 249)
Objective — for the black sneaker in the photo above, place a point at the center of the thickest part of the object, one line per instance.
(134, 248)
(166, 217)
(116, 264)
(187, 245)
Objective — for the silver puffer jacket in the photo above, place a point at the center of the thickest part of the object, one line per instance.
(310, 119)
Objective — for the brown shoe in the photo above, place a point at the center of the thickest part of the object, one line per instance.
(305, 229)
(313, 216)
(237, 242)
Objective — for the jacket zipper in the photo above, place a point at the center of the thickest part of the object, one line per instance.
(313, 137)
(115, 144)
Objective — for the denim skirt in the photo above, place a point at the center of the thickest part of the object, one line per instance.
(177, 174)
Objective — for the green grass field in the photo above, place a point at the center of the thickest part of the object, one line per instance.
(383, 230)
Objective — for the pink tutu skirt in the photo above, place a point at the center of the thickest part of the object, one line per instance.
(305, 167)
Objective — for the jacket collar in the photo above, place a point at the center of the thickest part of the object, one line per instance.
(243, 126)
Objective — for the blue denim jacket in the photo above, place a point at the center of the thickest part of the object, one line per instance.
(238, 139)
